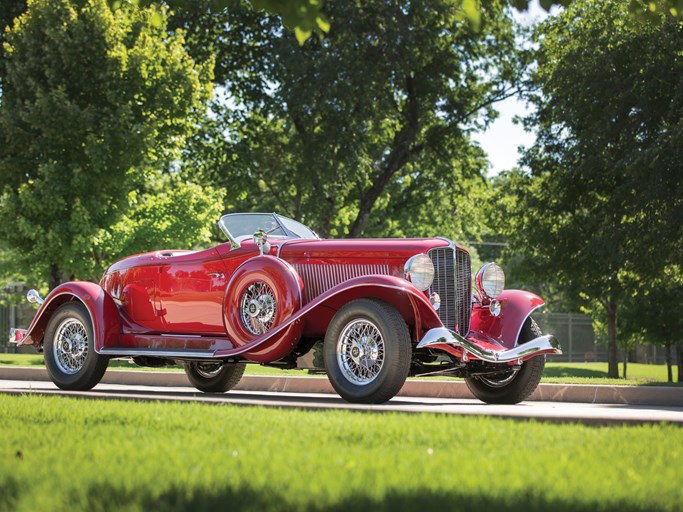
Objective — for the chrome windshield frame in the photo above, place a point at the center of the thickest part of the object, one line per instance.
(238, 239)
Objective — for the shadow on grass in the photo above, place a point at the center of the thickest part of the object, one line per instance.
(569, 371)
(107, 497)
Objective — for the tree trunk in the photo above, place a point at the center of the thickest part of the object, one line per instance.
(669, 363)
(398, 157)
(625, 363)
(679, 356)
(55, 276)
(612, 356)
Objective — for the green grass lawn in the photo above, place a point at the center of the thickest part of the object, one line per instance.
(561, 373)
(69, 454)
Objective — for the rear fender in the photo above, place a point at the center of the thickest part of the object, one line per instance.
(515, 307)
(101, 307)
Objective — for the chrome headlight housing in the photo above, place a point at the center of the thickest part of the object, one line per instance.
(419, 270)
(490, 280)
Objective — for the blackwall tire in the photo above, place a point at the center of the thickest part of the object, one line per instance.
(69, 349)
(214, 377)
(367, 352)
(518, 386)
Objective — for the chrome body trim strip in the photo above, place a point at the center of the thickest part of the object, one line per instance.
(547, 344)
(174, 354)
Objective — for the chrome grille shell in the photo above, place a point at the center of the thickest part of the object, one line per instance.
(453, 283)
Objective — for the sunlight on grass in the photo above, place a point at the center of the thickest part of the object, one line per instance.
(69, 454)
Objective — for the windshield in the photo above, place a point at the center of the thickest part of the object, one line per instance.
(242, 226)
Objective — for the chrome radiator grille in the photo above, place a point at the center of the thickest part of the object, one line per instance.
(318, 278)
(453, 283)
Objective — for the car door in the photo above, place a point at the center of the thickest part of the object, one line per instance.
(191, 290)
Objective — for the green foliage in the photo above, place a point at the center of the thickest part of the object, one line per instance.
(604, 203)
(175, 215)
(384, 143)
(93, 455)
(92, 100)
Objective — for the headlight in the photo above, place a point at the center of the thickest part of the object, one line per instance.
(419, 270)
(490, 280)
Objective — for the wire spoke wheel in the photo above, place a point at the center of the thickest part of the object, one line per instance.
(70, 348)
(213, 376)
(499, 382)
(367, 351)
(71, 360)
(208, 370)
(360, 352)
(510, 386)
(258, 308)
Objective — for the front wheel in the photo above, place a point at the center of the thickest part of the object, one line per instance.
(367, 352)
(214, 377)
(69, 348)
(513, 386)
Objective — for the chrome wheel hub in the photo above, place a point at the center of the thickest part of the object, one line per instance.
(258, 307)
(70, 346)
(360, 352)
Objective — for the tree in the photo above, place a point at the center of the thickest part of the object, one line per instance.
(92, 100)
(604, 200)
(650, 313)
(366, 131)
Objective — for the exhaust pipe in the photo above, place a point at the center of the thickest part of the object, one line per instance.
(547, 344)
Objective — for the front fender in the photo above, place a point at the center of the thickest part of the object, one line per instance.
(504, 329)
(312, 320)
(410, 302)
(102, 309)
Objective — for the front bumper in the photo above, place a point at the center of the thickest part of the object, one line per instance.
(547, 344)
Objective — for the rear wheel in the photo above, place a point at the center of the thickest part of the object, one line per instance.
(513, 386)
(213, 377)
(69, 349)
(367, 352)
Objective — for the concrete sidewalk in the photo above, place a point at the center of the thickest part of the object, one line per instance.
(627, 395)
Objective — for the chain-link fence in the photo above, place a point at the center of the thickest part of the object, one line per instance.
(575, 334)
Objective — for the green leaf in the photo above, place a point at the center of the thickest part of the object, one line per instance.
(302, 35)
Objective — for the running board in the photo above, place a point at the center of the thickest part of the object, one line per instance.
(168, 354)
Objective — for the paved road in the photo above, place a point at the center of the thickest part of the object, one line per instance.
(545, 411)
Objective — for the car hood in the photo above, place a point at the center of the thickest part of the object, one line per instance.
(365, 248)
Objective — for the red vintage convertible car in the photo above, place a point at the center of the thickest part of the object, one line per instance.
(369, 312)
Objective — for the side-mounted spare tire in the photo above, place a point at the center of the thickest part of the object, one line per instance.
(69, 349)
(263, 293)
(513, 386)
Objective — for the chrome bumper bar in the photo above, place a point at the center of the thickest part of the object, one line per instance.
(547, 344)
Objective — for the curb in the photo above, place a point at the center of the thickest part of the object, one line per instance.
(577, 393)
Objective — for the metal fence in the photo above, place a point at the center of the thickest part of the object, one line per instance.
(577, 338)
(575, 333)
